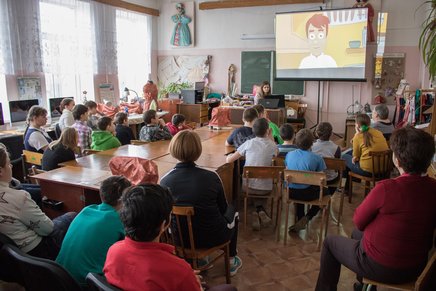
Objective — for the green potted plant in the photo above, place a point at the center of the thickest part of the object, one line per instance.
(427, 39)
(173, 89)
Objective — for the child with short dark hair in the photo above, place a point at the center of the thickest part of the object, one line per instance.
(104, 139)
(245, 132)
(80, 114)
(258, 151)
(93, 114)
(122, 130)
(287, 134)
(154, 128)
(178, 123)
(274, 128)
(302, 159)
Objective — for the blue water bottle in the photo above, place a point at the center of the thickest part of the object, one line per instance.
(126, 110)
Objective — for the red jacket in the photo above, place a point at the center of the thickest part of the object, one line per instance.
(398, 218)
(174, 129)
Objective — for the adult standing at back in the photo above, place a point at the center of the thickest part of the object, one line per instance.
(263, 90)
(35, 137)
(66, 119)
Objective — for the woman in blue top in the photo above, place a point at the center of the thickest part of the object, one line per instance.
(181, 33)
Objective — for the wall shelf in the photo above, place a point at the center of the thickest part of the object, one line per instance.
(250, 3)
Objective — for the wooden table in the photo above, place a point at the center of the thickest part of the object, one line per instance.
(77, 183)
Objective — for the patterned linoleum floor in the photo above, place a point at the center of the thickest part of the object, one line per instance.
(269, 265)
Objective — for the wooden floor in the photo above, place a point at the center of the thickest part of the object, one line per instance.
(271, 266)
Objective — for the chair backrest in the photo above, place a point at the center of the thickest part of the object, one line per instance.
(186, 212)
(10, 273)
(58, 131)
(427, 280)
(263, 172)
(41, 274)
(32, 158)
(98, 282)
(308, 178)
(337, 165)
(278, 161)
(138, 142)
(382, 164)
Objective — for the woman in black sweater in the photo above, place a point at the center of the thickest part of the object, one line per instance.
(213, 222)
(61, 150)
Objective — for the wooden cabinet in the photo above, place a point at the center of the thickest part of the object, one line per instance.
(194, 112)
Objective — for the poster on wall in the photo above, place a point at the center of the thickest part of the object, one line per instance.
(29, 88)
(179, 69)
(183, 28)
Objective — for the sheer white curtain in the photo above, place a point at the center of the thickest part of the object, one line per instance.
(67, 47)
(134, 49)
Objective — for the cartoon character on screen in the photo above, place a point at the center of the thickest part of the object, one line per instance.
(365, 4)
(317, 28)
(181, 33)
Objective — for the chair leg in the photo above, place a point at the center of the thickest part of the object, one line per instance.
(227, 264)
(350, 188)
(245, 213)
(367, 187)
(278, 218)
(327, 219)
(285, 238)
(341, 207)
(324, 212)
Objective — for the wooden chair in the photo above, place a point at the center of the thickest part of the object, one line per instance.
(339, 166)
(88, 152)
(30, 159)
(308, 178)
(275, 173)
(138, 142)
(191, 252)
(425, 282)
(35, 171)
(278, 161)
(382, 166)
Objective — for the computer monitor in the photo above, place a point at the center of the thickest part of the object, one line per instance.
(54, 103)
(19, 109)
(281, 98)
(269, 103)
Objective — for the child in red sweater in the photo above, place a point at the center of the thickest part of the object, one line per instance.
(178, 123)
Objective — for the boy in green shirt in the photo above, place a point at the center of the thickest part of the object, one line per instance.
(104, 139)
(275, 131)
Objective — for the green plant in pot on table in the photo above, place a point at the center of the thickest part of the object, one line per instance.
(173, 89)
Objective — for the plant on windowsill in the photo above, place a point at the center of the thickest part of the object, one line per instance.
(427, 39)
(173, 90)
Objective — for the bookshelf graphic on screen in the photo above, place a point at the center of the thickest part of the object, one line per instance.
(321, 45)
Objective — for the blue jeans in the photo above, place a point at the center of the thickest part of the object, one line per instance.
(355, 168)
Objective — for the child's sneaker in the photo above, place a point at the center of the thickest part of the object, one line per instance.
(255, 224)
(265, 220)
(235, 265)
(300, 225)
(203, 262)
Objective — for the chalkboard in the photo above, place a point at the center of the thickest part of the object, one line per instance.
(259, 66)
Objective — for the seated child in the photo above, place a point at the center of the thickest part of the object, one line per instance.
(178, 123)
(245, 132)
(154, 128)
(80, 113)
(122, 130)
(302, 159)
(258, 151)
(61, 150)
(24, 222)
(93, 114)
(274, 128)
(287, 134)
(35, 137)
(140, 261)
(104, 139)
(66, 119)
(324, 147)
(93, 231)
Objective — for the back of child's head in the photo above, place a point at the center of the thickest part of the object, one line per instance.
(287, 132)
(149, 115)
(120, 117)
(65, 102)
(90, 104)
(144, 208)
(104, 122)
(250, 114)
(79, 110)
(178, 119)
(259, 108)
(260, 127)
(304, 139)
(112, 188)
(324, 131)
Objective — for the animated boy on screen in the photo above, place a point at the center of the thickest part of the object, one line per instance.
(317, 28)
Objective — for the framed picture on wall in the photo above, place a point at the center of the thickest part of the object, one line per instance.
(183, 29)
(29, 88)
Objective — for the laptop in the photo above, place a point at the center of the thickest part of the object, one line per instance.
(269, 103)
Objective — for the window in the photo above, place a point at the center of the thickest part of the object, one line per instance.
(67, 48)
(133, 49)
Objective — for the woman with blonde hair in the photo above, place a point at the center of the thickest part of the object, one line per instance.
(202, 189)
(61, 150)
(35, 137)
